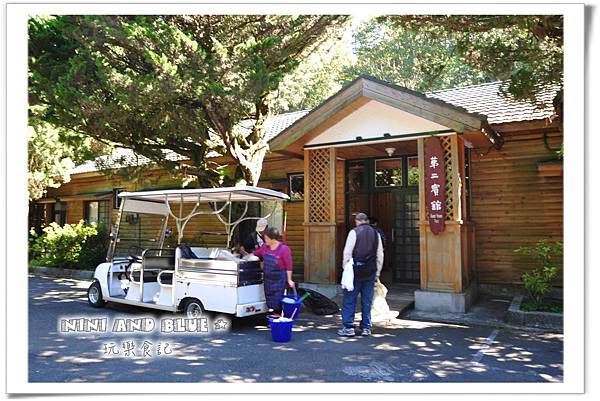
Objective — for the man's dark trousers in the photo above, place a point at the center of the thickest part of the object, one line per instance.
(366, 289)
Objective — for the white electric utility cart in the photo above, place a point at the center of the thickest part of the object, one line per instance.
(141, 271)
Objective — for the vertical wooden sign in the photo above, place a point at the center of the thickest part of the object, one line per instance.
(435, 184)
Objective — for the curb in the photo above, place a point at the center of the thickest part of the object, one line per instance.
(56, 272)
(425, 317)
(540, 320)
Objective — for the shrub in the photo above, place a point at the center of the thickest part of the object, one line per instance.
(538, 282)
(72, 246)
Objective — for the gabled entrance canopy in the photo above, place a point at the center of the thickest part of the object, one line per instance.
(370, 110)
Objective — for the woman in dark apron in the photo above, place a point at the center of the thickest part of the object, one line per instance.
(277, 268)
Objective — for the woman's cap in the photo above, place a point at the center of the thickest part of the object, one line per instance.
(261, 225)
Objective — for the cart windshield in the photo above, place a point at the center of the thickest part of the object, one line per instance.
(138, 231)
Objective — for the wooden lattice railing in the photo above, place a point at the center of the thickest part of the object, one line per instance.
(319, 186)
(447, 146)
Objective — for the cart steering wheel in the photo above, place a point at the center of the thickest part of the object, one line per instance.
(133, 257)
(135, 252)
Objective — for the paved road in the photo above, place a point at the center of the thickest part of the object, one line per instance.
(403, 351)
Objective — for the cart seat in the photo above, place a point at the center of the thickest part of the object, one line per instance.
(149, 275)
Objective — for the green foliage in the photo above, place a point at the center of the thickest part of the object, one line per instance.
(53, 153)
(422, 61)
(49, 160)
(317, 77)
(72, 246)
(416, 59)
(176, 82)
(539, 281)
(413, 176)
(526, 50)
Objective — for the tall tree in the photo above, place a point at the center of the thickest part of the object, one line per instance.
(180, 83)
(526, 50)
(315, 79)
(418, 60)
(53, 153)
(422, 61)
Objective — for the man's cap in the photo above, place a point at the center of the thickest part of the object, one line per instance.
(261, 225)
(361, 217)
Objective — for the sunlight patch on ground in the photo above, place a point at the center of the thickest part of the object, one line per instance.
(415, 324)
(77, 359)
(374, 371)
(390, 347)
(47, 353)
(549, 378)
(284, 348)
(236, 379)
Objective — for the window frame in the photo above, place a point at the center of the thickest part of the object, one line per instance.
(86, 212)
(402, 172)
(407, 157)
(62, 212)
(116, 201)
(289, 179)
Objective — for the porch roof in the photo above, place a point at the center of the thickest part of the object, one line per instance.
(366, 88)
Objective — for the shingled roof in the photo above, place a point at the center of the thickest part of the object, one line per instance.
(484, 99)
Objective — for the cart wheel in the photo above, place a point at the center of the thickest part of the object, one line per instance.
(94, 295)
(193, 309)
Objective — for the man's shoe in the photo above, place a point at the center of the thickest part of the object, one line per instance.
(365, 332)
(346, 332)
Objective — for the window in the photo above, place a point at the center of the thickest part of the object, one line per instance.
(388, 172)
(116, 199)
(356, 176)
(413, 170)
(37, 216)
(97, 212)
(59, 213)
(296, 186)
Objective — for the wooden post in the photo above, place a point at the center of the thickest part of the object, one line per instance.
(319, 216)
(444, 257)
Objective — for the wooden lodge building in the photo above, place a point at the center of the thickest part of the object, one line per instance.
(369, 148)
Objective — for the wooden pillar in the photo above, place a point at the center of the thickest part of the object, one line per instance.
(444, 258)
(319, 216)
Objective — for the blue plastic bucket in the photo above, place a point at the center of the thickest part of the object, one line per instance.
(289, 303)
(281, 332)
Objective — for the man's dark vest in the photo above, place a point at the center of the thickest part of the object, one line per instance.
(365, 251)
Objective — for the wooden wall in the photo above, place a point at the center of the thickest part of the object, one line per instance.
(274, 175)
(513, 205)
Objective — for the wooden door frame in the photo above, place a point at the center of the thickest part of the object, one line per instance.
(371, 190)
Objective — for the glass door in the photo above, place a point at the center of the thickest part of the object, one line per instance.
(387, 189)
(406, 246)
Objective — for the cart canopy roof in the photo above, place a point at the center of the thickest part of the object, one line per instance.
(205, 195)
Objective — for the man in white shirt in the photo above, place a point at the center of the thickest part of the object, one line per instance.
(364, 246)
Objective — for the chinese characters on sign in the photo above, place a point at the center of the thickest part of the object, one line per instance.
(435, 184)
